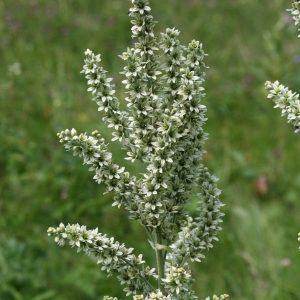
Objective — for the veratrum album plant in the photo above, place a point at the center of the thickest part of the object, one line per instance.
(162, 128)
(284, 98)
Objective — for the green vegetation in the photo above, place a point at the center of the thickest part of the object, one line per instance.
(250, 147)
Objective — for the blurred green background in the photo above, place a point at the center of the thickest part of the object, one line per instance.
(251, 148)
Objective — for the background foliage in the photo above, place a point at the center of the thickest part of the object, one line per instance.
(251, 148)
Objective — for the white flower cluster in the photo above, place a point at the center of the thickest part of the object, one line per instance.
(113, 256)
(94, 152)
(295, 11)
(198, 235)
(158, 295)
(284, 98)
(287, 101)
(178, 280)
(163, 128)
(222, 297)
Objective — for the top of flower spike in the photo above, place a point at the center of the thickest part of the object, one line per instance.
(295, 12)
(140, 6)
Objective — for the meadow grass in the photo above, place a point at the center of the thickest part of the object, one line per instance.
(43, 92)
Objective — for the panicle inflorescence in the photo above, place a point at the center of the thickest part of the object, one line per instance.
(113, 256)
(284, 98)
(163, 129)
(295, 11)
(287, 101)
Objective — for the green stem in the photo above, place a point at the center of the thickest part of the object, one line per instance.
(159, 258)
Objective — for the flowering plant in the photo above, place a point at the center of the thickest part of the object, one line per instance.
(162, 128)
(282, 96)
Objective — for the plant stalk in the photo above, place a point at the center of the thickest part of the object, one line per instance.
(160, 262)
